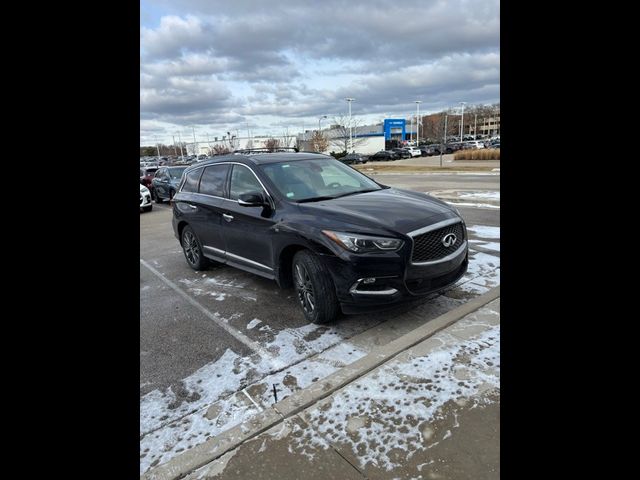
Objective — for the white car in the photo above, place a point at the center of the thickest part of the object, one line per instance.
(145, 199)
(414, 151)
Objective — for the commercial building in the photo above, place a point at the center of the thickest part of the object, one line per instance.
(367, 139)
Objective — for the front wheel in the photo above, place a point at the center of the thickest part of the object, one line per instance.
(314, 288)
(193, 250)
(147, 208)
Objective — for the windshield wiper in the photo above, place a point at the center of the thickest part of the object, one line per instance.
(331, 197)
(315, 199)
(357, 191)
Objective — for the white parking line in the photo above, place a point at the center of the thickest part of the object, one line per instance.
(264, 353)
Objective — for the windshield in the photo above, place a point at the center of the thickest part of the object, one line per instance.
(176, 172)
(308, 180)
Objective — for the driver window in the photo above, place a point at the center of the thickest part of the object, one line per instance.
(243, 181)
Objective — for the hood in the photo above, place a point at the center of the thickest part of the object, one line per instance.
(390, 209)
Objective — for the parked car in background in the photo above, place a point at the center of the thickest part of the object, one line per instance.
(414, 151)
(166, 181)
(382, 155)
(402, 152)
(145, 199)
(146, 177)
(353, 158)
(474, 144)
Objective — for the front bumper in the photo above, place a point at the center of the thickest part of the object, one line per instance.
(396, 279)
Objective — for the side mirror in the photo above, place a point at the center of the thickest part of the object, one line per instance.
(252, 199)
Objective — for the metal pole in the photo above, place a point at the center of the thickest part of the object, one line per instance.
(195, 145)
(181, 152)
(462, 122)
(349, 100)
(175, 151)
(442, 147)
(418, 102)
(475, 124)
(411, 131)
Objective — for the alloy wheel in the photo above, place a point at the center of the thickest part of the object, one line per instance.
(191, 249)
(304, 288)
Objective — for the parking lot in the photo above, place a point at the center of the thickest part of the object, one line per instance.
(213, 344)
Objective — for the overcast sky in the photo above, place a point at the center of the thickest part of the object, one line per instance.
(269, 65)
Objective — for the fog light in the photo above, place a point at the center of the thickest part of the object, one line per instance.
(369, 280)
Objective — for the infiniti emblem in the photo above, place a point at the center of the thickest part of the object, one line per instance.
(449, 239)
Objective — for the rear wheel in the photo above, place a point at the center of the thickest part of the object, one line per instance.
(314, 288)
(193, 250)
(147, 208)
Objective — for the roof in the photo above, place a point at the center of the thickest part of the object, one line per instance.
(264, 158)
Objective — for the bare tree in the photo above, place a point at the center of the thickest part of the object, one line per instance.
(339, 133)
(220, 149)
(272, 144)
(287, 138)
(319, 142)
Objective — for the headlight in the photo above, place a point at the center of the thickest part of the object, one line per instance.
(355, 242)
(144, 190)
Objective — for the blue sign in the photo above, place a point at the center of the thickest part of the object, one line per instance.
(394, 125)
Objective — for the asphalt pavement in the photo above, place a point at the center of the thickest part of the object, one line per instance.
(213, 343)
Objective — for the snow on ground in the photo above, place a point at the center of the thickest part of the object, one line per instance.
(391, 409)
(253, 323)
(224, 393)
(475, 205)
(490, 195)
(484, 231)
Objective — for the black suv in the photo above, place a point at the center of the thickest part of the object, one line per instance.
(307, 220)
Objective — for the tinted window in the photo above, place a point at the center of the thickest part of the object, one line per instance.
(213, 179)
(191, 181)
(306, 179)
(176, 172)
(243, 181)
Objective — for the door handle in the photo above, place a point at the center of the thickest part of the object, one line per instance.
(191, 206)
(228, 218)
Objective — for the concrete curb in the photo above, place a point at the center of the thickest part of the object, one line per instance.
(200, 455)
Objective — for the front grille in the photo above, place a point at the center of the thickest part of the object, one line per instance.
(428, 246)
(423, 285)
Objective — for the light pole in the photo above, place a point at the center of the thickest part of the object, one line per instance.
(475, 124)
(462, 120)
(175, 152)
(319, 120)
(444, 145)
(195, 145)
(180, 141)
(349, 100)
(410, 132)
(418, 102)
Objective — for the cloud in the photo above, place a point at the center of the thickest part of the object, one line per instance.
(228, 63)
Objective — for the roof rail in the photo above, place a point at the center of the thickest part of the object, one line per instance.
(266, 150)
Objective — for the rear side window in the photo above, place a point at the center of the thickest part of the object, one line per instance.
(213, 180)
(191, 181)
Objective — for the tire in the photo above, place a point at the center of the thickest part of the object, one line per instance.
(192, 249)
(158, 199)
(314, 288)
(147, 209)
